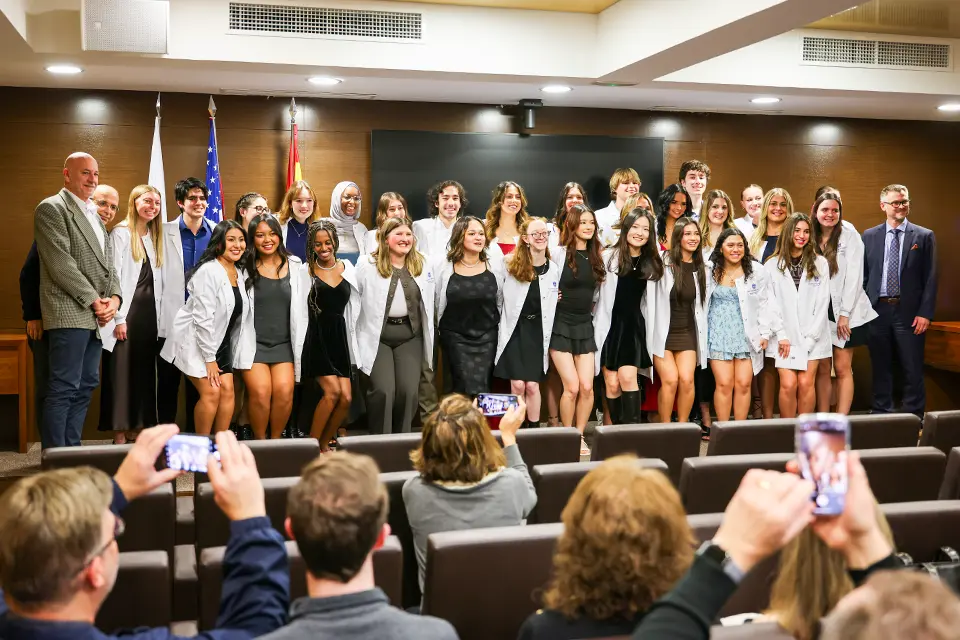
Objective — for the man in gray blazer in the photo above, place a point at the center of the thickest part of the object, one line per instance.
(79, 293)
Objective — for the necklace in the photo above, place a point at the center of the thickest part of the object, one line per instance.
(469, 264)
(335, 263)
(636, 262)
(299, 234)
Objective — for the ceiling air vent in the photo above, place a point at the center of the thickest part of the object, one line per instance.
(856, 52)
(319, 21)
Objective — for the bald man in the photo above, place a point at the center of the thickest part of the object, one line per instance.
(108, 202)
(79, 293)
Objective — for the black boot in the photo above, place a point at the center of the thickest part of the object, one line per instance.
(613, 406)
(630, 407)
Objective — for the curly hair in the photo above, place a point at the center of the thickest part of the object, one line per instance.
(719, 262)
(625, 543)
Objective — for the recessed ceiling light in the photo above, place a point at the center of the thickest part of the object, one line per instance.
(556, 88)
(325, 81)
(64, 69)
(950, 106)
(765, 100)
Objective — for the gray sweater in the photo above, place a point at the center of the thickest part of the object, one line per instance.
(363, 615)
(502, 499)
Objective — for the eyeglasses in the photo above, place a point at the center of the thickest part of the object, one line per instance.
(261, 210)
(351, 198)
(104, 203)
(118, 528)
(899, 204)
(539, 235)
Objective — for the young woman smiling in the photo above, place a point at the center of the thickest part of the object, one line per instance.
(250, 205)
(672, 204)
(391, 205)
(128, 397)
(716, 216)
(800, 288)
(298, 210)
(267, 355)
(507, 213)
(751, 200)
(624, 315)
(203, 340)
(345, 204)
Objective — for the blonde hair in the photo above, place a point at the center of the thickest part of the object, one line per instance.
(50, 523)
(520, 261)
(712, 195)
(286, 209)
(456, 445)
(622, 176)
(760, 234)
(413, 261)
(155, 226)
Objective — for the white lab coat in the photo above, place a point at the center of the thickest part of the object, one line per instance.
(846, 287)
(745, 225)
(603, 313)
(444, 269)
(433, 239)
(803, 310)
(661, 323)
(300, 312)
(128, 272)
(515, 294)
(373, 289)
(174, 287)
(761, 317)
(606, 218)
(201, 324)
(369, 242)
(359, 233)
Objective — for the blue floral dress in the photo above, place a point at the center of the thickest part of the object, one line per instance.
(726, 339)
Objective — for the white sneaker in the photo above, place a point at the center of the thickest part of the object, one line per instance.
(584, 449)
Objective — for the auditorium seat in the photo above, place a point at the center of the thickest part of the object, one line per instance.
(941, 429)
(547, 445)
(387, 568)
(151, 522)
(106, 457)
(141, 594)
(400, 527)
(391, 451)
(904, 474)
(921, 528)
(707, 484)
(555, 484)
(668, 442)
(186, 527)
(483, 581)
(870, 431)
(213, 527)
(755, 631)
(950, 487)
(278, 458)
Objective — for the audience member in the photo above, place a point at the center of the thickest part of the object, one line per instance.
(79, 292)
(466, 481)
(625, 543)
(337, 514)
(59, 558)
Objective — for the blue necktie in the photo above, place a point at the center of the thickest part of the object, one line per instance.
(893, 266)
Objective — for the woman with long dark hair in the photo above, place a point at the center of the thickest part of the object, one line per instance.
(850, 309)
(526, 323)
(330, 312)
(800, 287)
(571, 195)
(468, 297)
(673, 203)
(507, 213)
(204, 339)
(740, 322)
(572, 345)
(623, 314)
(274, 293)
(680, 329)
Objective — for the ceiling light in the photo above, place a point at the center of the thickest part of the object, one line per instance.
(64, 69)
(556, 88)
(765, 100)
(950, 106)
(325, 81)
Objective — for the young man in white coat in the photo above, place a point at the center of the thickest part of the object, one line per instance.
(185, 238)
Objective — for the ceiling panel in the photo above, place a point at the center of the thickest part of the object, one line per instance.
(926, 18)
(575, 6)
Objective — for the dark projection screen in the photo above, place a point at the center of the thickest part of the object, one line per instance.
(410, 162)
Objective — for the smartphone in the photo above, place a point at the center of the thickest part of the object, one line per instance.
(189, 452)
(496, 404)
(823, 443)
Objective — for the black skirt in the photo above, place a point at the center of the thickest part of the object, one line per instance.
(522, 358)
(573, 336)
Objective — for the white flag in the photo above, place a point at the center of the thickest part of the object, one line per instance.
(156, 169)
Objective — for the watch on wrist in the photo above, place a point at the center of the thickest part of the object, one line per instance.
(719, 555)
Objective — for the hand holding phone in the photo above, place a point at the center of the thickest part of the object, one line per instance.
(496, 404)
(823, 445)
(189, 452)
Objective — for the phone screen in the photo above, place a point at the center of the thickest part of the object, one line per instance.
(823, 441)
(496, 404)
(189, 452)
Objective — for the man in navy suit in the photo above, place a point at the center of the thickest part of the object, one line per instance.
(900, 278)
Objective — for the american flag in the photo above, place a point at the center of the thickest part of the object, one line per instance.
(215, 201)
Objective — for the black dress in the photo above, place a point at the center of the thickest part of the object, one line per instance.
(626, 343)
(522, 357)
(573, 325)
(128, 397)
(225, 351)
(326, 351)
(468, 331)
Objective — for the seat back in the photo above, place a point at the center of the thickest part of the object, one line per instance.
(142, 595)
(754, 631)
(213, 527)
(549, 445)
(941, 429)
(400, 527)
(391, 451)
(921, 528)
(151, 522)
(106, 458)
(742, 437)
(950, 487)
(904, 474)
(884, 431)
(668, 442)
(707, 484)
(483, 581)
(555, 483)
(279, 458)
(387, 571)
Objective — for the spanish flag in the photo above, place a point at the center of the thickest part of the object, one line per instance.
(293, 163)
